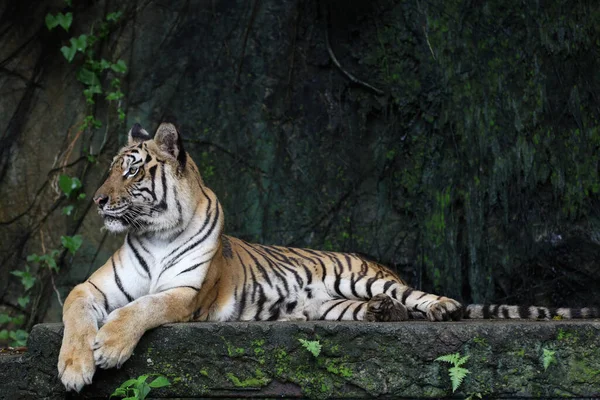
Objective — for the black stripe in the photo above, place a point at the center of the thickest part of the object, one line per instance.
(387, 285)
(576, 313)
(395, 293)
(353, 286)
(183, 286)
(138, 257)
(103, 295)
(162, 206)
(370, 282)
(407, 293)
(290, 306)
(542, 313)
(118, 281)
(523, 312)
(262, 269)
(308, 275)
(344, 312)
(242, 302)
(176, 259)
(193, 267)
(357, 310)
(336, 285)
(261, 301)
(332, 307)
(505, 313)
(486, 311)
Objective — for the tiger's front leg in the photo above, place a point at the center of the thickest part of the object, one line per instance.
(115, 341)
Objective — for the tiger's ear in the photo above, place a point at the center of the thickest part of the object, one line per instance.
(137, 134)
(169, 140)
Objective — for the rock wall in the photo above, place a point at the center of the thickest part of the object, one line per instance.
(456, 142)
(357, 360)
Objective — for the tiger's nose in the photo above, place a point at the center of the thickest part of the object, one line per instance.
(101, 200)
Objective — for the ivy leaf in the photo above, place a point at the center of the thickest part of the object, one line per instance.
(65, 20)
(313, 346)
(159, 382)
(51, 21)
(19, 337)
(119, 67)
(88, 78)
(3, 334)
(23, 301)
(114, 95)
(114, 16)
(68, 210)
(68, 185)
(72, 243)
(68, 52)
(80, 43)
(5, 318)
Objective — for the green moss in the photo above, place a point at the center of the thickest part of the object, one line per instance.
(257, 381)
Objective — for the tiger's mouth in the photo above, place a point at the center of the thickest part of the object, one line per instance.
(115, 224)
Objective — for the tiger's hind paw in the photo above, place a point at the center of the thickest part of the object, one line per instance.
(382, 308)
(445, 309)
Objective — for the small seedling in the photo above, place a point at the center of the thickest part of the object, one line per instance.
(138, 389)
(313, 346)
(456, 372)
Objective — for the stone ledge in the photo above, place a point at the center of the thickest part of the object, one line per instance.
(265, 359)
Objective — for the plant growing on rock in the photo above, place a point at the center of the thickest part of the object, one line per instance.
(457, 372)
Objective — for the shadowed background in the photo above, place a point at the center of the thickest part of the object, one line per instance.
(463, 154)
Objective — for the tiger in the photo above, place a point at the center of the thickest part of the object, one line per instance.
(176, 265)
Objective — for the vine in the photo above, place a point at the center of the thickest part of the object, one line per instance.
(101, 80)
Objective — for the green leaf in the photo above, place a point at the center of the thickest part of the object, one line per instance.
(68, 185)
(80, 43)
(23, 301)
(159, 382)
(71, 243)
(5, 318)
(548, 358)
(19, 337)
(127, 383)
(144, 390)
(88, 78)
(121, 114)
(17, 273)
(81, 196)
(114, 95)
(68, 210)
(64, 20)
(28, 281)
(119, 392)
(51, 21)
(68, 52)
(313, 346)
(449, 358)
(3, 334)
(457, 374)
(114, 16)
(33, 258)
(119, 67)
(18, 320)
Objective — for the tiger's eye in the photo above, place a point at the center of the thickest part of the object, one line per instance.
(133, 171)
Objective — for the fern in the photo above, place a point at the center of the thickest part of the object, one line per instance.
(457, 372)
(548, 358)
(313, 346)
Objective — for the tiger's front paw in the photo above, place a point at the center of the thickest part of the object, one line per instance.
(114, 344)
(445, 309)
(76, 364)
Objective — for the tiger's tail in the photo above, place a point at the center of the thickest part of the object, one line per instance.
(503, 311)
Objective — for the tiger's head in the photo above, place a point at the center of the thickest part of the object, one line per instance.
(152, 184)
